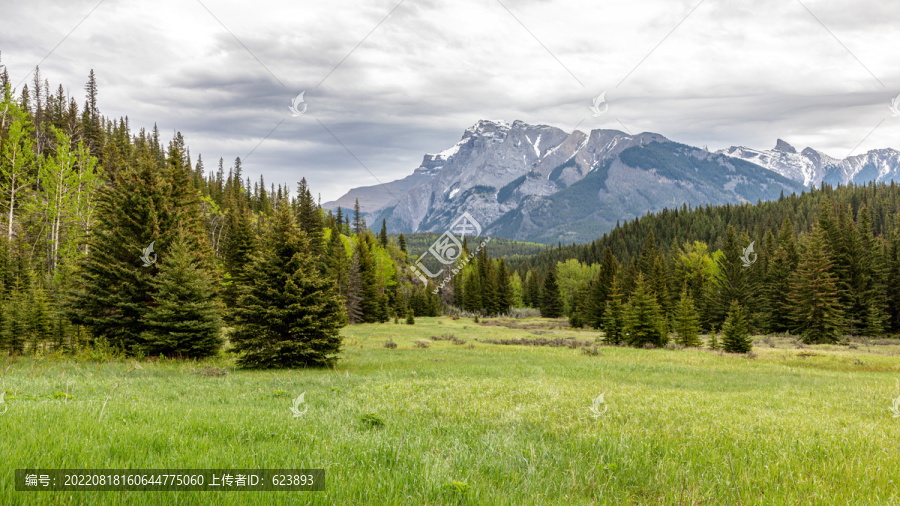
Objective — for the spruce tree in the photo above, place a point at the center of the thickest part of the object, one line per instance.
(814, 297)
(731, 280)
(601, 287)
(309, 219)
(359, 221)
(504, 289)
(288, 315)
(687, 321)
(383, 236)
(642, 320)
(402, 242)
(145, 203)
(185, 319)
(736, 330)
(551, 299)
(613, 320)
(370, 296)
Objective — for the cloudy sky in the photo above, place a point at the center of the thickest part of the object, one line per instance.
(386, 82)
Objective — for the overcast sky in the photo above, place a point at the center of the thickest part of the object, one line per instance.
(394, 81)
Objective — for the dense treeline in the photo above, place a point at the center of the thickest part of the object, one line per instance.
(509, 249)
(821, 265)
(120, 239)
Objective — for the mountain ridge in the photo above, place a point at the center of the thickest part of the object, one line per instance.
(540, 183)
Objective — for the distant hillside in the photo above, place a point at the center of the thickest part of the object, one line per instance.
(708, 223)
(498, 247)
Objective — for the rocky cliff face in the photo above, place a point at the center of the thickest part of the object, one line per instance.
(811, 167)
(539, 183)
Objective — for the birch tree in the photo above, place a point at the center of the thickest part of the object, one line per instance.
(16, 157)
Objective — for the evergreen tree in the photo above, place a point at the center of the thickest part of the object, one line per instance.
(383, 236)
(504, 289)
(353, 297)
(780, 269)
(402, 242)
(370, 296)
(600, 290)
(359, 221)
(814, 295)
(642, 321)
(731, 279)
(288, 315)
(309, 219)
(144, 204)
(687, 321)
(613, 320)
(736, 330)
(185, 318)
(551, 299)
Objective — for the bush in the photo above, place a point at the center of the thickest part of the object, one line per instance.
(390, 344)
(371, 421)
(422, 343)
(523, 312)
(410, 318)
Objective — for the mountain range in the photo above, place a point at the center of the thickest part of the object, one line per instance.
(539, 183)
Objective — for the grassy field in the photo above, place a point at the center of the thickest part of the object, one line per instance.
(476, 423)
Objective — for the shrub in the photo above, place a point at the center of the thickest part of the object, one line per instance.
(410, 318)
(371, 421)
(422, 343)
(390, 344)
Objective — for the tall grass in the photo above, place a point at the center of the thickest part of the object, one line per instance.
(489, 424)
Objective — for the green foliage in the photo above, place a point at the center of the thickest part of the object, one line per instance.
(643, 323)
(814, 296)
(185, 319)
(687, 321)
(736, 331)
(288, 315)
(410, 317)
(551, 300)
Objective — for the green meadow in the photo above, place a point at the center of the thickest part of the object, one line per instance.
(465, 421)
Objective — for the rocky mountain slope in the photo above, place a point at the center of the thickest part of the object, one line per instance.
(539, 183)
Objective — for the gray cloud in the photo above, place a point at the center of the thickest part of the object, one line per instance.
(731, 73)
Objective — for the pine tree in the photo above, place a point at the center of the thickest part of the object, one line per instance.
(309, 219)
(687, 321)
(736, 330)
(359, 221)
(402, 242)
(353, 297)
(185, 319)
(814, 295)
(504, 289)
(551, 299)
(777, 285)
(289, 315)
(383, 236)
(145, 203)
(370, 303)
(642, 321)
(731, 280)
(601, 287)
(613, 320)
